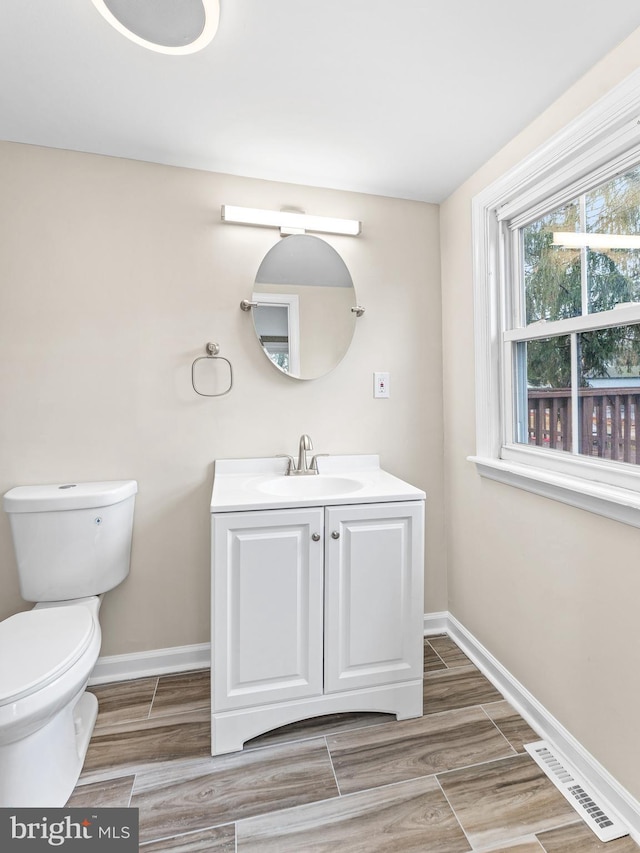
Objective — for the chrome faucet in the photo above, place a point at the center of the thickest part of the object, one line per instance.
(302, 467)
(305, 444)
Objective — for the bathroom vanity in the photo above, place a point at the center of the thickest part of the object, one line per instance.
(317, 594)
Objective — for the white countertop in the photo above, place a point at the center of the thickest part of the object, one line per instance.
(246, 484)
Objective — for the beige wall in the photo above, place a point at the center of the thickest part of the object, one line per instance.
(553, 592)
(114, 275)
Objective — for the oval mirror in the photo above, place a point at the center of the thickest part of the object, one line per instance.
(303, 306)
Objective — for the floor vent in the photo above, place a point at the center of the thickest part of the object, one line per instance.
(596, 814)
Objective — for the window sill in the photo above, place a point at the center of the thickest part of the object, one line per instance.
(610, 501)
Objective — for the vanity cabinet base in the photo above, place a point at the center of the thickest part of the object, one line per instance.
(230, 729)
(315, 610)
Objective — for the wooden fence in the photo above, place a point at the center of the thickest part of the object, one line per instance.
(607, 421)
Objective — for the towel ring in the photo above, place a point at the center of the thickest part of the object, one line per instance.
(212, 351)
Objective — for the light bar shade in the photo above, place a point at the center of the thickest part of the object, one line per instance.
(288, 220)
(580, 239)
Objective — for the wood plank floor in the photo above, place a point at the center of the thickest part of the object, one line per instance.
(455, 780)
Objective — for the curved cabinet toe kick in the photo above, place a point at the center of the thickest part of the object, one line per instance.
(315, 610)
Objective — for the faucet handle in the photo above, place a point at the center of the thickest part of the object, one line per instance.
(314, 462)
(292, 465)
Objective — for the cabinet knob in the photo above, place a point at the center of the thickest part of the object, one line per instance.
(315, 537)
(335, 534)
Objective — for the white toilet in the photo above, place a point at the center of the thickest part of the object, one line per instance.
(72, 543)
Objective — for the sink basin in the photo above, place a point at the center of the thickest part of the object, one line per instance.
(261, 483)
(312, 486)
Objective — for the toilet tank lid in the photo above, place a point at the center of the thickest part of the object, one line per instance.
(66, 496)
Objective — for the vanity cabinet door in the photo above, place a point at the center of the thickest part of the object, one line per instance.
(267, 605)
(373, 594)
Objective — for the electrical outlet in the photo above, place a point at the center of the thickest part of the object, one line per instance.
(380, 384)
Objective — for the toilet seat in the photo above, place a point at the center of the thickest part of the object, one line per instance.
(39, 645)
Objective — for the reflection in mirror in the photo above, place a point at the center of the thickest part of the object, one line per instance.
(303, 314)
(277, 325)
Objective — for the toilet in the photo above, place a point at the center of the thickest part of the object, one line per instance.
(72, 544)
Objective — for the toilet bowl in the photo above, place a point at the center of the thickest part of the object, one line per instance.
(46, 716)
(72, 544)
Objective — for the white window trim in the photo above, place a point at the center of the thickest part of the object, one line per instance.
(603, 140)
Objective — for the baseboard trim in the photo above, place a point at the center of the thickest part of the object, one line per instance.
(436, 623)
(152, 663)
(542, 721)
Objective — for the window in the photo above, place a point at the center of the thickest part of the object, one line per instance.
(557, 288)
(579, 392)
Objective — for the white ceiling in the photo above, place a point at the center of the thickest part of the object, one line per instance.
(403, 98)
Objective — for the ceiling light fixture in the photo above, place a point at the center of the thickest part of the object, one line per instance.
(290, 222)
(580, 239)
(166, 26)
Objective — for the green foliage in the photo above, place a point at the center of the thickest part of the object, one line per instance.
(609, 352)
(549, 363)
(552, 273)
(553, 285)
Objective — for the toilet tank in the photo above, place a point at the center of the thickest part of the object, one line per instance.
(73, 539)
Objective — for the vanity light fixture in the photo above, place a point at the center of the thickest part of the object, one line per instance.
(289, 222)
(166, 26)
(580, 239)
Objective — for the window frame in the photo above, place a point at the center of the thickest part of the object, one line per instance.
(597, 145)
